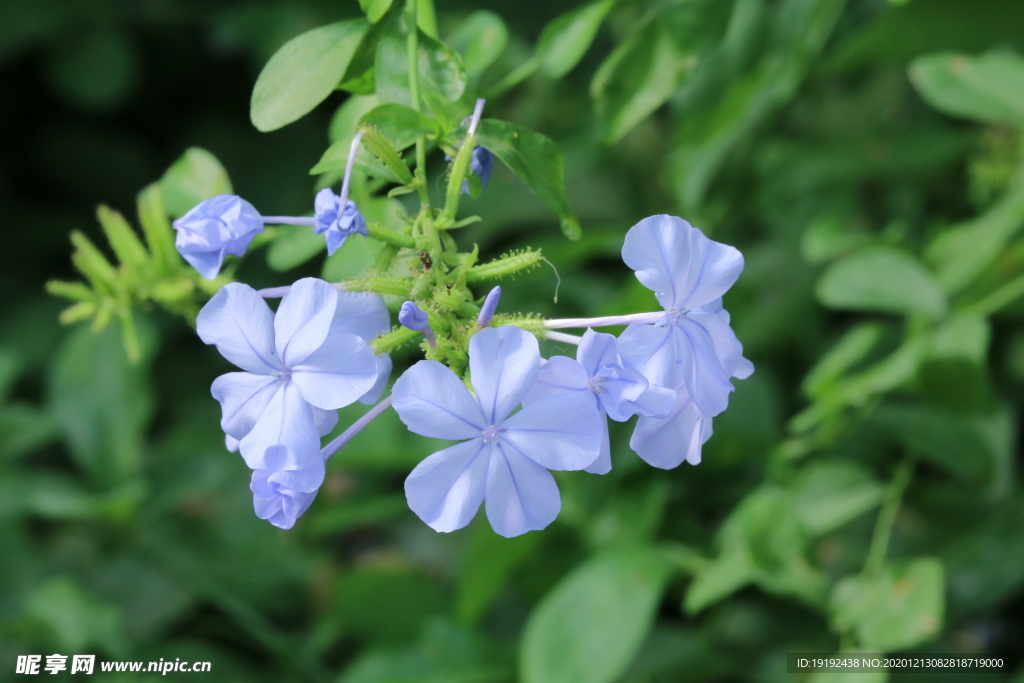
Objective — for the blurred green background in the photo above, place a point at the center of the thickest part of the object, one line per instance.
(873, 180)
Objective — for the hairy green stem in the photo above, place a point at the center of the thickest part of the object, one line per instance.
(395, 339)
(506, 265)
(379, 232)
(379, 284)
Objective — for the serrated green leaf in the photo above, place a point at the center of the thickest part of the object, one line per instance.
(536, 159)
(881, 279)
(988, 88)
(589, 627)
(195, 176)
(303, 72)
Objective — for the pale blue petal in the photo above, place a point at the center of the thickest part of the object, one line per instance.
(283, 506)
(364, 315)
(285, 437)
(679, 263)
(521, 495)
(239, 322)
(433, 402)
(596, 350)
(503, 365)
(557, 376)
(603, 464)
(243, 397)
(325, 420)
(654, 351)
(383, 374)
(665, 443)
(337, 374)
(707, 383)
(654, 402)
(303, 319)
(268, 483)
(559, 432)
(446, 489)
(727, 346)
(231, 443)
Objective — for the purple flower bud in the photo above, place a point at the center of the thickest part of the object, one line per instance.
(214, 228)
(490, 305)
(337, 228)
(413, 317)
(481, 162)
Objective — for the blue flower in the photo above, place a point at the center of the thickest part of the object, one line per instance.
(282, 497)
(481, 162)
(334, 227)
(692, 347)
(214, 228)
(295, 361)
(502, 458)
(613, 385)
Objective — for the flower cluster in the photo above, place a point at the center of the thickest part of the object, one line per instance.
(520, 415)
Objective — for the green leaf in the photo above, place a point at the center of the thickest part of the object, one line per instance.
(881, 279)
(852, 347)
(400, 124)
(487, 566)
(375, 9)
(565, 40)
(536, 159)
(718, 580)
(294, 248)
(480, 39)
(196, 176)
(946, 439)
(963, 253)
(440, 68)
(346, 118)
(102, 403)
(828, 494)
(589, 627)
(303, 72)
(988, 88)
(900, 608)
(637, 78)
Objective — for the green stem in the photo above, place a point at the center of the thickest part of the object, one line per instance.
(379, 232)
(414, 93)
(1003, 296)
(887, 517)
(394, 339)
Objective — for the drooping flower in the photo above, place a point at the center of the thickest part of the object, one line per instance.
(481, 162)
(334, 224)
(687, 347)
(221, 225)
(668, 441)
(503, 458)
(281, 497)
(294, 361)
(611, 383)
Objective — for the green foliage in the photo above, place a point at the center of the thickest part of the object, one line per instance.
(591, 625)
(303, 73)
(864, 157)
(538, 163)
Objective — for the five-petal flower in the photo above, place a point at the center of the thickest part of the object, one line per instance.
(503, 458)
(294, 362)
